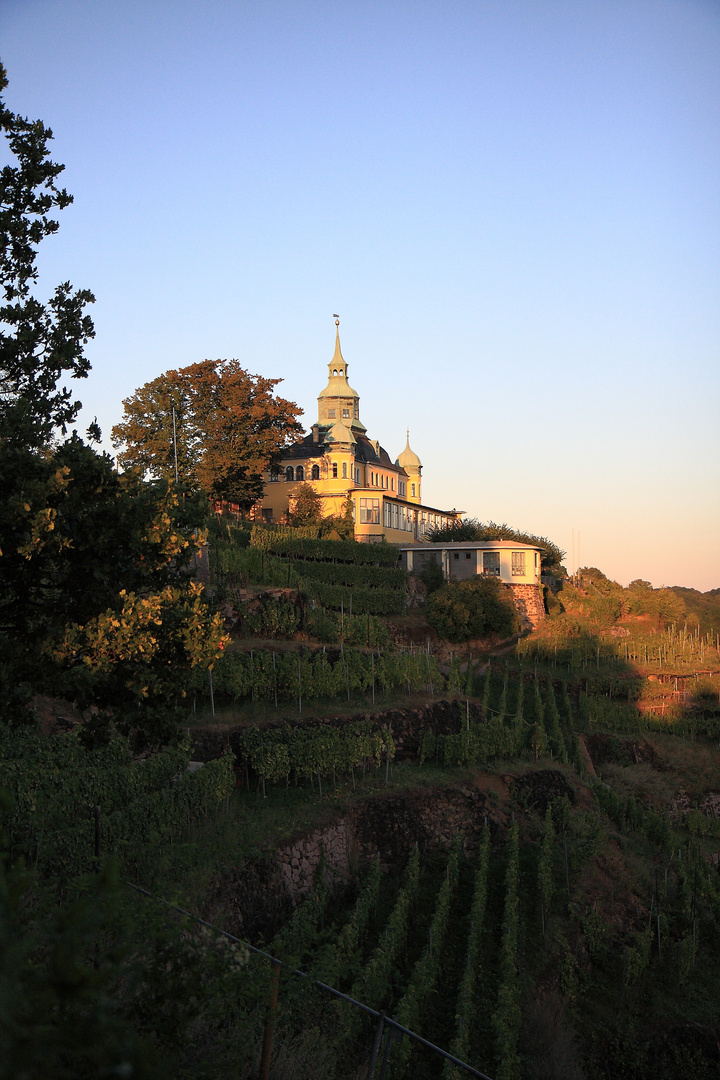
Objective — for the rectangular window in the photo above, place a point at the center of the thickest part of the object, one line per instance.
(386, 515)
(334, 470)
(402, 518)
(456, 554)
(392, 483)
(331, 414)
(370, 511)
(344, 470)
(491, 562)
(267, 513)
(394, 515)
(467, 555)
(346, 413)
(518, 563)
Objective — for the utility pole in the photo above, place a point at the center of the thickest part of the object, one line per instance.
(174, 442)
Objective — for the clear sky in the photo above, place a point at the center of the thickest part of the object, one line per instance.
(513, 205)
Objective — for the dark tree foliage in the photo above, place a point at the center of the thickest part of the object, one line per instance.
(471, 529)
(465, 610)
(95, 596)
(39, 343)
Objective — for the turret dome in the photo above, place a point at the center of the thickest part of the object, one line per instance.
(408, 458)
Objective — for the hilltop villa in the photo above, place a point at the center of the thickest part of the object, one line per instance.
(339, 461)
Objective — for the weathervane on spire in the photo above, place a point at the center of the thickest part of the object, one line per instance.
(337, 319)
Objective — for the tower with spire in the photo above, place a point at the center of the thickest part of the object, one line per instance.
(338, 402)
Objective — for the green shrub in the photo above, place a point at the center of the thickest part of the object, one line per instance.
(469, 609)
(432, 576)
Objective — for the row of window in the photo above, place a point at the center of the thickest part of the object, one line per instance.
(382, 481)
(491, 563)
(397, 517)
(345, 414)
(376, 479)
(298, 473)
(428, 521)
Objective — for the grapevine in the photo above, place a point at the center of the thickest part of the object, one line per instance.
(507, 1017)
(465, 1010)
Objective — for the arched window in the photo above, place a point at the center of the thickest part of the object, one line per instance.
(299, 473)
(289, 474)
(413, 489)
(334, 470)
(344, 470)
(274, 474)
(316, 472)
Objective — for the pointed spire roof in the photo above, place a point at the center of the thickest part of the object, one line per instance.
(408, 456)
(338, 386)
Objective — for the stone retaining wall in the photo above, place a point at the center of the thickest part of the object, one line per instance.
(441, 717)
(299, 861)
(530, 605)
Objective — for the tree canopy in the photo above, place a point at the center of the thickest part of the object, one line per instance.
(229, 428)
(39, 343)
(96, 597)
(462, 611)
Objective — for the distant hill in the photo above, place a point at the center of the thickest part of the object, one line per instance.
(704, 606)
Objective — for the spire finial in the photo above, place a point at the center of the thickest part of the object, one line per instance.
(338, 357)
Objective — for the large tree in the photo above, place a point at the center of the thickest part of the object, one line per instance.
(96, 596)
(225, 425)
(39, 343)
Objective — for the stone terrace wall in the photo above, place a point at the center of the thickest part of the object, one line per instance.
(441, 717)
(530, 605)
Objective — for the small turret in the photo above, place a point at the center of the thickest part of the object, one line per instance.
(410, 462)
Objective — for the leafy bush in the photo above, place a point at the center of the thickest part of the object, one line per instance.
(432, 576)
(469, 609)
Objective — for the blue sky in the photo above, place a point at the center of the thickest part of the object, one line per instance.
(513, 205)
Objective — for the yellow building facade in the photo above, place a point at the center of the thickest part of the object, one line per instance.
(340, 462)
